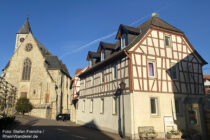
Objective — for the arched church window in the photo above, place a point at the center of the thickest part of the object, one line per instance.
(26, 69)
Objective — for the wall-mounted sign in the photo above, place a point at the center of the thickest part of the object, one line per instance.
(168, 121)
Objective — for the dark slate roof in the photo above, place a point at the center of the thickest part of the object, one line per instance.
(53, 63)
(93, 55)
(43, 50)
(25, 29)
(154, 21)
(107, 45)
(128, 30)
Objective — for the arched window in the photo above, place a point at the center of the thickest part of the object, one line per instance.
(26, 69)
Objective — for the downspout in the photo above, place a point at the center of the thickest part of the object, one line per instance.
(129, 56)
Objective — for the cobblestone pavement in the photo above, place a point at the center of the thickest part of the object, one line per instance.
(45, 129)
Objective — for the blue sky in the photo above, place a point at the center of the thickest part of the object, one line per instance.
(71, 28)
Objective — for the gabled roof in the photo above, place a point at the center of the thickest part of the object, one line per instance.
(143, 29)
(206, 77)
(153, 21)
(93, 55)
(156, 21)
(43, 50)
(128, 30)
(25, 29)
(107, 46)
(79, 71)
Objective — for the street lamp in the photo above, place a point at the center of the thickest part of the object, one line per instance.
(120, 124)
(122, 85)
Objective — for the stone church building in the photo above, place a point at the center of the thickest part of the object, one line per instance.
(38, 75)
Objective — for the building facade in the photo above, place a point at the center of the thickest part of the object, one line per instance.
(75, 92)
(162, 77)
(38, 75)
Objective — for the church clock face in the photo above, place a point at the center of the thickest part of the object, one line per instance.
(28, 47)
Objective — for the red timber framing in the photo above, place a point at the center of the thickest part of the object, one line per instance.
(133, 68)
(110, 85)
(180, 53)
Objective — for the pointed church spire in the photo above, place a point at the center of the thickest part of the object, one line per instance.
(26, 28)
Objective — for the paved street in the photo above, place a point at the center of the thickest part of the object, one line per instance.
(58, 130)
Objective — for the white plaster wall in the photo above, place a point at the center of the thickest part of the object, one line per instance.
(141, 115)
(106, 121)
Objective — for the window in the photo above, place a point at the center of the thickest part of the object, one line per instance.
(102, 54)
(84, 83)
(115, 72)
(151, 69)
(153, 103)
(91, 106)
(90, 63)
(177, 106)
(102, 106)
(167, 41)
(23, 95)
(66, 83)
(83, 107)
(22, 39)
(174, 72)
(192, 117)
(26, 69)
(47, 98)
(123, 41)
(102, 76)
(114, 106)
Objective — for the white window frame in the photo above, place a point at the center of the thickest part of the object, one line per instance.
(102, 54)
(90, 63)
(123, 41)
(169, 41)
(154, 69)
(101, 105)
(93, 80)
(84, 84)
(91, 105)
(156, 106)
(114, 72)
(114, 106)
(102, 77)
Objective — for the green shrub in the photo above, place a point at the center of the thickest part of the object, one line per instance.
(23, 105)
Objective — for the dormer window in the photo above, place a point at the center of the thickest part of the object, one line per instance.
(123, 41)
(102, 54)
(90, 63)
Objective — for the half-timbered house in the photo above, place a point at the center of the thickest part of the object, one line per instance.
(75, 88)
(162, 77)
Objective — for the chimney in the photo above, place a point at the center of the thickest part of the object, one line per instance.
(155, 15)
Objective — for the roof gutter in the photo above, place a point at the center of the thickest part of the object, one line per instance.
(107, 61)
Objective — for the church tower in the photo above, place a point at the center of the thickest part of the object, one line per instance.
(22, 33)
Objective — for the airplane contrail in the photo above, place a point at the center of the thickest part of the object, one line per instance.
(90, 43)
(110, 35)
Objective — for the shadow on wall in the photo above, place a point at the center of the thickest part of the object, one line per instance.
(187, 84)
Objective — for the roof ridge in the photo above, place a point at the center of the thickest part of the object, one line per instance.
(43, 50)
(26, 28)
